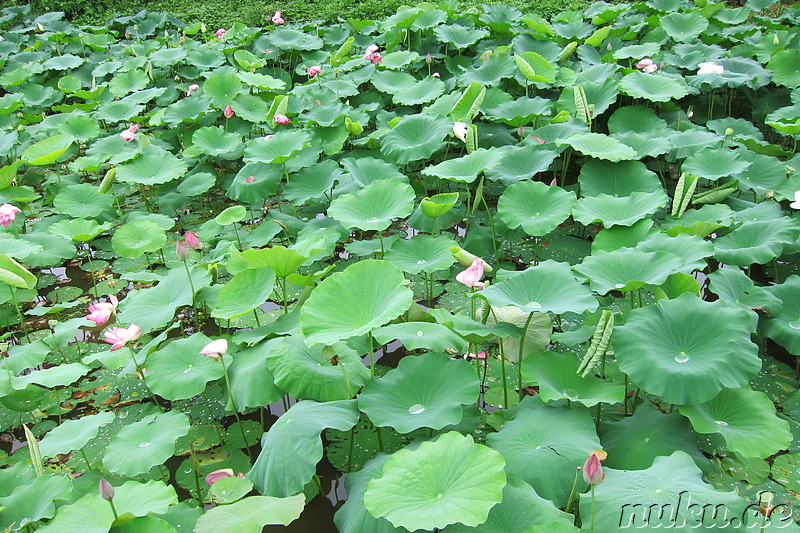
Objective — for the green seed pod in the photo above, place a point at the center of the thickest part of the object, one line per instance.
(108, 181)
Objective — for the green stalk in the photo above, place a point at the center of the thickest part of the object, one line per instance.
(196, 468)
(521, 350)
(573, 493)
(144, 380)
(592, 526)
(19, 314)
(371, 357)
(235, 409)
(194, 304)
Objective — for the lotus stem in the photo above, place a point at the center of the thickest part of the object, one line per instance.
(573, 493)
(235, 409)
(521, 354)
(350, 452)
(113, 510)
(491, 225)
(593, 507)
(196, 469)
(236, 231)
(194, 304)
(86, 460)
(380, 438)
(371, 357)
(140, 370)
(19, 314)
(380, 238)
(211, 414)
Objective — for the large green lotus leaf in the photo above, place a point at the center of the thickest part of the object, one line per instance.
(600, 146)
(701, 222)
(422, 253)
(353, 517)
(178, 371)
(544, 445)
(54, 376)
(645, 145)
(713, 164)
(155, 307)
(733, 285)
(73, 434)
(756, 242)
(522, 509)
(364, 170)
(784, 68)
(784, 327)
(20, 249)
(78, 229)
(252, 384)
(653, 87)
(458, 36)
(415, 137)
(466, 169)
(250, 107)
(765, 173)
(617, 179)
(222, 89)
(684, 27)
(251, 514)
(674, 350)
(627, 498)
(82, 201)
(692, 249)
(535, 206)
(231, 215)
(558, 378)
(420, 336)
(374, 206)
(615, 211)
(280, 259)
(547, 287)
(205, 58)
(279, 148)
(140, 446)
(405, 89)
(183, 111)
(521, 163)
(312, 182)
(627, 269)
(490, 72)
(314, 373)
(691, 141)
(32, 502)
(537, 336)
(292, 447)
(429, 488)
(264, 183)
(415, 395)
(215, 141)
(745, 418)
(153, 167)
(46, 151)
(81, 128)
(244, 293)
(138, 237)
(127, 82)
(634, 442)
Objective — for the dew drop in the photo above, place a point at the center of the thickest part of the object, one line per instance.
(187, 370)
(534, 305)
(144, 444)
(647, 439)
(420, 334)
(416, 409)
(795, 325)
(421, 262)
(373, 219)
(439, 495)
(658, 490)
(721, 423)
(619, 286)
(681, 357)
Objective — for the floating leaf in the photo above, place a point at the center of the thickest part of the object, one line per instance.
(627, 269)
(178, 371)
(153, 167)
(140, 446)
(415, 137)
(374, 206)
(251, 514)
(558, 378)
(139, 237)
(535, 207)
(244, 293)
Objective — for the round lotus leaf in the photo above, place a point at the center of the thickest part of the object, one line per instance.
(420, 336)
(558, 378)
(535, 206)
(136, 238)
(415, 137)
(278, 149)
(153, 167)
(627, 269)
(601, 146)
(346, 304)
(244, 293)
(47, 150)
(215, 141)
(252, 384)
(634, 442)
(617, 179)
(313, 182)
(756, 242)
(318, 372)
(520, 163)
(78, 229)
(183, 111)
(251, 514)
(784, 327)
(178, 371)
(783, 64)
(292, 447)
(672, 349)
(654, 87)
(73, 434)
(627, 498)
(459, 36)
(614, 211)
(692, 249)
(30, 502)
(422, 253)
(713, 164)
(544, 445)
(745, 418)
(364, 170)
(684, 27)
(353, 517)
(231, 215)
(466, 169)
(222, 89)
(80, 127)
(425, 489)
(438, 204)
(537, 336)
(547, 287)
(374, 206)
(413, 395)
(255, 182)
(733, 285)
(140, 446)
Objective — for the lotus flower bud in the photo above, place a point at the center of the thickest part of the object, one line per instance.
(465, 258)
(228, 112)
(106, 490)
(429, 58)
(592, 469)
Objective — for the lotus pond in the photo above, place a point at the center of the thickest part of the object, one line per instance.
(421, 273)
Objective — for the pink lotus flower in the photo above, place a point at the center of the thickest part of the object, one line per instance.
(192, 88)
(267, 51)
(472, 275)
(277, 18)
(371, 54)
(228, 111)
(313, 71)
(220, 33)
(119, 337)
(181, 250)
(8, 213)
(215, 349)
(191, 240)
(133, 127)
(479, 355)
(127, 135)
(281, 119)
(592, 469)
(250, 179)
(647, 65)
(106, 490)
(99, 313)
(216, 475)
